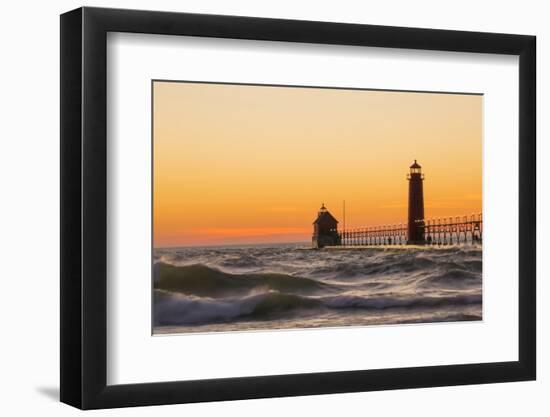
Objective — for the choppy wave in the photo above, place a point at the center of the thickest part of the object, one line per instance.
(282, 286)
(201, 280)
(177, 309)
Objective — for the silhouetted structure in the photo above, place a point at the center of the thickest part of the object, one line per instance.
(325, 229)
(416, 205)
(417, 231)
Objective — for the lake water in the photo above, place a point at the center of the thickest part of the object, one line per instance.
(285, 286)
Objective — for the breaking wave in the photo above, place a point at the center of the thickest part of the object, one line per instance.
(282, 286)
(201, 280)
(173, 309)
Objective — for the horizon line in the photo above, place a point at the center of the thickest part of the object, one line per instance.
(230, 244)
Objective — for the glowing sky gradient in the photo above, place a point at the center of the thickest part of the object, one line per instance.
(252, 164)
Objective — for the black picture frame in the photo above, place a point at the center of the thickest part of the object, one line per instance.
(84, 207)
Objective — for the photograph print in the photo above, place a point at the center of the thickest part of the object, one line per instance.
(291, 207)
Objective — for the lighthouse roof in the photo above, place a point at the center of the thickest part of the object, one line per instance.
(324, 215)
(415, 165)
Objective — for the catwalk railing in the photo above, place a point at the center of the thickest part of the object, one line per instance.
(440, 231)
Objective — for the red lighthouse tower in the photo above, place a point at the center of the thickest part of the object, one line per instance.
(416, 205)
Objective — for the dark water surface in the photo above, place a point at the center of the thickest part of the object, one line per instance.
(283, 287)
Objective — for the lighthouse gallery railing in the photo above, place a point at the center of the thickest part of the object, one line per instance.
(439, 231)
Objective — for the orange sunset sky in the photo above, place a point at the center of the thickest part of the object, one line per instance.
(237, 164)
